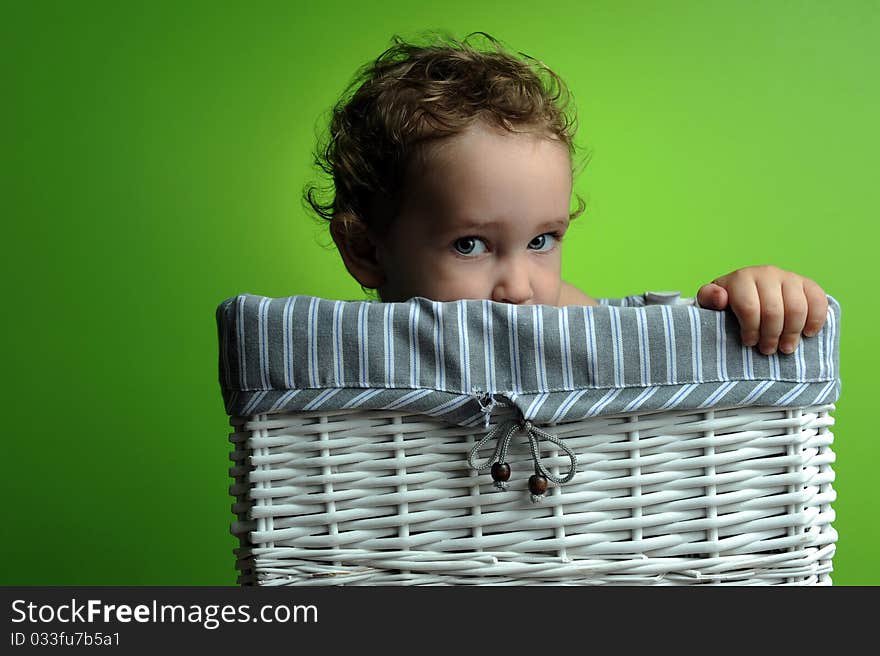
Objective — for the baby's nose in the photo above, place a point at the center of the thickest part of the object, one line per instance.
(513, 285)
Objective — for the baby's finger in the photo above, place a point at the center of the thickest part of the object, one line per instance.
(795, 313)
(746, 305)
(772, 314)
(712, 297)
(817, 303)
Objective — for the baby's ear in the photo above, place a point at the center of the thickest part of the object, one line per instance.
(358, 250)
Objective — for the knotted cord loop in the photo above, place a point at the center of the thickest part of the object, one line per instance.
(487, 403)
(532, 430)
(504, 432)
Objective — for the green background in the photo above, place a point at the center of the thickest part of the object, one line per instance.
(154, 156)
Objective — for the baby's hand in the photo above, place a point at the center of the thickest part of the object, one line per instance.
(773, 306)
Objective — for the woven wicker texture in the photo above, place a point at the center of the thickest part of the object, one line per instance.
(372, 497)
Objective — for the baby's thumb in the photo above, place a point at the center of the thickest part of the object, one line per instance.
(712, 297)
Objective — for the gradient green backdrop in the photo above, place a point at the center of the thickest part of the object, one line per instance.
(154, 156)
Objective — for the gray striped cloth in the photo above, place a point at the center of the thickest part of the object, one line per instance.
(457, 360)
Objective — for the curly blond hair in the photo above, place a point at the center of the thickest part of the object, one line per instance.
(414, 94)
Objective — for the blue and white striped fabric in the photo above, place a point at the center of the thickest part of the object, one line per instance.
(454, 360)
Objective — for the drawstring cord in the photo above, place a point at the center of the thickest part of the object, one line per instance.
(504, 432)
(487, 404)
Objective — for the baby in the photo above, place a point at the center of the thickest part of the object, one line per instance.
(452, 171)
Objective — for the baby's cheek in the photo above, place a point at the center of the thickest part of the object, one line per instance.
(550, 289)
(450, 284)
(473, 286)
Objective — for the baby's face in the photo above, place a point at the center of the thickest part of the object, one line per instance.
(483, 218)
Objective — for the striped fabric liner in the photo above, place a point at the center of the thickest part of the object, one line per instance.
(455, 360)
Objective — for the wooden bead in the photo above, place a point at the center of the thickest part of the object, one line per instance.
(537, 484)
(500, 472)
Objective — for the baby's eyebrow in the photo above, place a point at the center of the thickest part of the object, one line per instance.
(556, 224)
(477, 226)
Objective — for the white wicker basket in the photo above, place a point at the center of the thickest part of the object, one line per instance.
(333, 495)
(735, 496)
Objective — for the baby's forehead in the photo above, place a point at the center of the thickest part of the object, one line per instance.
(467, 159)
(468, 156)
(441, 148)
(483, 174)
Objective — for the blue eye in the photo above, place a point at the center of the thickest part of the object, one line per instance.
(469, 246)
(543, 242)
